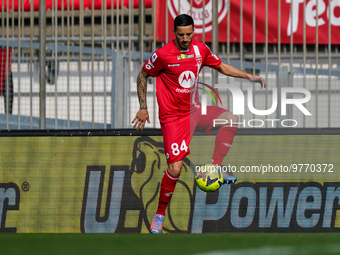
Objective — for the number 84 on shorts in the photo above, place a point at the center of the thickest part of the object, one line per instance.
(177, 151)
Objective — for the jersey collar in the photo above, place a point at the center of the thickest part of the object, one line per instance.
(177, 51)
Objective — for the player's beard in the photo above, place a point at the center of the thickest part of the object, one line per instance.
(185, 45)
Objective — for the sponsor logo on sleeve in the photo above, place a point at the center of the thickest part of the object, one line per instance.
(215, 56)
(149, 65)
(153, 57)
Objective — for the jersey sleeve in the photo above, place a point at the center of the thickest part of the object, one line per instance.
(153, 65)
(211, 59)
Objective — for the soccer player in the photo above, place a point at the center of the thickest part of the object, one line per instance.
(177, 66)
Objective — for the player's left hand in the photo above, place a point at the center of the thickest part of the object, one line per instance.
(258, 79)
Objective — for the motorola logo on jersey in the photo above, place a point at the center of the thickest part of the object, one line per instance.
(197, 12)
(187, 79)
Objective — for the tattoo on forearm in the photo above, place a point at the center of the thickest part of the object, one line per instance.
(141, 89)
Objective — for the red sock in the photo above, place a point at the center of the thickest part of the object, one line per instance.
(168, 185)
(224, 140)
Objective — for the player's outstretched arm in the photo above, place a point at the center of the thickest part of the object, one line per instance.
(235, 72)
(142, 115)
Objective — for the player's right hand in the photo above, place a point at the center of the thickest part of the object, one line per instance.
(141, 118)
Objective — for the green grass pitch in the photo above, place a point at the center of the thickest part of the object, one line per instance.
(181, 244)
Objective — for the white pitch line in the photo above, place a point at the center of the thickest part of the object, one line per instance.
(281, 250)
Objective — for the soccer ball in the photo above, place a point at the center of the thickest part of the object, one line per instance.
(209, 178)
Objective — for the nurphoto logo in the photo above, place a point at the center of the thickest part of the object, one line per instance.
(239, 105)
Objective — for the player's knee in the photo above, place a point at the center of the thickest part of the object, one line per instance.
(234, 119)
(228, 118)
(175, 169)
